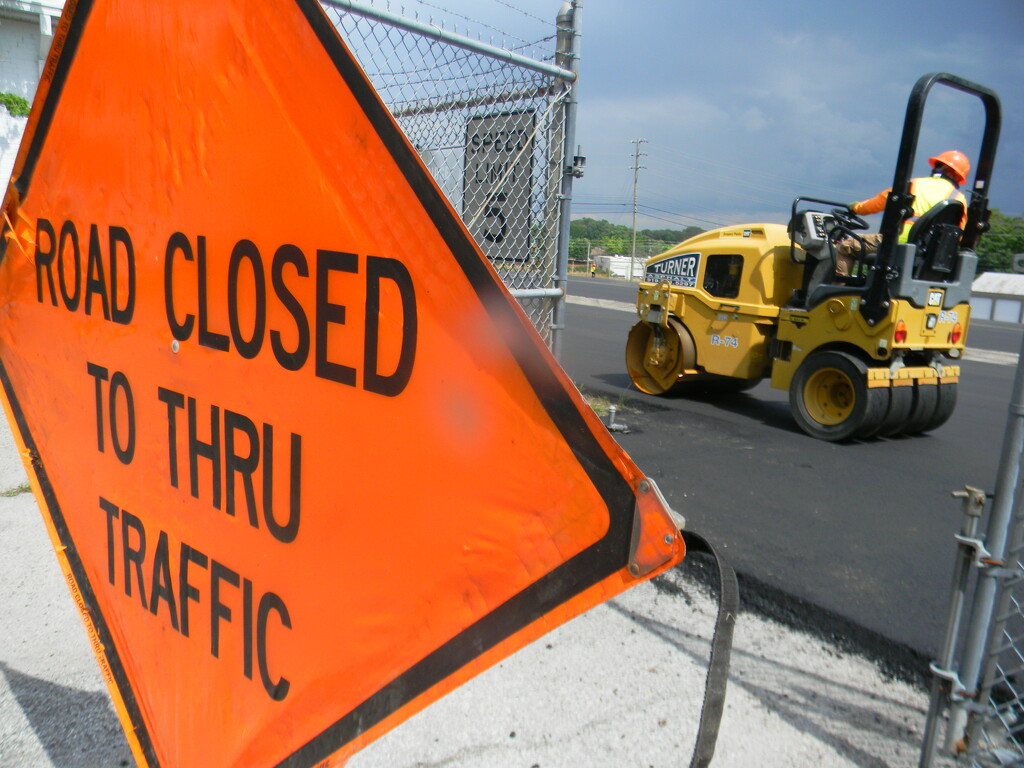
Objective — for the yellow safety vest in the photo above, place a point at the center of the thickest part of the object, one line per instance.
(928, 192)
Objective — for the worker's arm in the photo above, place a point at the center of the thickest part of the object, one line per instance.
(874, 204)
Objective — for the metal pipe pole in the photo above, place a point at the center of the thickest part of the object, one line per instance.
(1004, 506)
(570, 20)
(636, 180)
(942, 671)
(460, 41)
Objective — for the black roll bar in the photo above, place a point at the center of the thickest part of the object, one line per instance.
(898, 206)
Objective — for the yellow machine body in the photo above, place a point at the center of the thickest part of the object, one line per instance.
(837, 323)
(717, 312)
(864, 333)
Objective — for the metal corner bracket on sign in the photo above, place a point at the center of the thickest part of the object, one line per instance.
(648, 552)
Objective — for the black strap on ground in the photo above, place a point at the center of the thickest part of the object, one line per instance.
(721, 648)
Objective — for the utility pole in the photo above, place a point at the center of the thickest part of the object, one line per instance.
(637, 154)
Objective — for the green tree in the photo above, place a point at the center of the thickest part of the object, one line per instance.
(595, 229)
(672, 236)
(618, 238)
(998, 246)
(617, 244)
(577, 248)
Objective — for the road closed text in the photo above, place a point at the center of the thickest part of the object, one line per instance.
(77, 269)
(344, 318)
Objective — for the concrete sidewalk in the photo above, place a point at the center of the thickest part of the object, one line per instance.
(619, 686)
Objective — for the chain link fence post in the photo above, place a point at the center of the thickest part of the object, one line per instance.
(569, 26)
(945, 683)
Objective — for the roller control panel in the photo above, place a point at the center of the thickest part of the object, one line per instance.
(812, 229)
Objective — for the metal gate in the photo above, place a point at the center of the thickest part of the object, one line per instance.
(496, 130)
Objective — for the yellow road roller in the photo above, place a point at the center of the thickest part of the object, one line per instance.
(874, 352)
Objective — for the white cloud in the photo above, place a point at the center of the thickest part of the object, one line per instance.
(746, 103)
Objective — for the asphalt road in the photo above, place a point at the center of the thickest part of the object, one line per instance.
(864, 530)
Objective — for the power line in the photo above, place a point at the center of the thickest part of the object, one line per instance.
(482, 25)
(585, 211)
(585, 204)
(683, 215)
(527, 14)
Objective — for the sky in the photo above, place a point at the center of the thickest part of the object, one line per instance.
(745, 104)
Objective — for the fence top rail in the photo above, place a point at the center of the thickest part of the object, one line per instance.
(443, 35)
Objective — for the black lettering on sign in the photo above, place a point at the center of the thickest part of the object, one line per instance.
(245, 250)
(263, 618)
(179, 243)
(198, 449)
(96, 281)
(188, 592)
(276, 689)
(391, 384)
(100, 274)
(287, 531)
(218, 609)
(133, 548)
(118, 236)
(120, 409)
(207, 338)
(44, 260)
(290, 360)
(113, 513)
(238, 451)
(249, 308)
(163, 589)
(242, 465)
(328, 314)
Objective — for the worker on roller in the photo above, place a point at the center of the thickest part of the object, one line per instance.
(949, 171)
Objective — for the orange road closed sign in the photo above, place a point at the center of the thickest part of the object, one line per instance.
(305, 463)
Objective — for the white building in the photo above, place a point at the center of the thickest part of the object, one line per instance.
(26, 31)
(998, 296)
(619, 266)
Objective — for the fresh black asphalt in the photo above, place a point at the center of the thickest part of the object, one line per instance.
(856, 538)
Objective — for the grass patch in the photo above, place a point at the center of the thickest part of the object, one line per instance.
(601, 403)
(16, 490)
(598, 404)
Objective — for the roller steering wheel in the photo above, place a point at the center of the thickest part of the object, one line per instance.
(848, 220)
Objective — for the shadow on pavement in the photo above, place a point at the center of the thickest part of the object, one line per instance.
(816, 701)
(76, 728)
(771, 413)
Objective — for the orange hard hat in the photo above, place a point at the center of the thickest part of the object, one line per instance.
(956, 162)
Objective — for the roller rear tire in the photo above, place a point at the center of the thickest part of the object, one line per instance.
(830, 399)
(901, 403)
(944, 407)
(926, 400)
(879, 400)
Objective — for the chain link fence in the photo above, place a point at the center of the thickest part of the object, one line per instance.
(493, 126)
(978, 690)
(995, 732)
